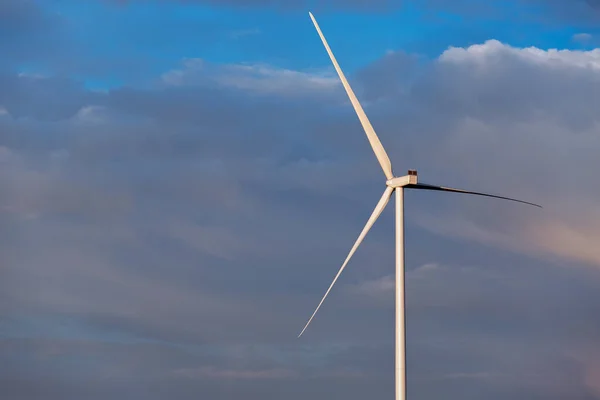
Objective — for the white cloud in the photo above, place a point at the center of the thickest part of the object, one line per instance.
(270, 80)
(493, 51)
(520, 122)
(375, 288)
(581, 37)
(426, 269)
(253, 77)
(31, 75)
(569, 240)
(177, 77)
(381, 287)
(90, 114)
(546, 234)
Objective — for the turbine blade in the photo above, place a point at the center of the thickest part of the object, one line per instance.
(378, 209)
(424, 186)
(380, 153)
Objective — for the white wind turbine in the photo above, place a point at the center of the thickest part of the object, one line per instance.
(397, 184)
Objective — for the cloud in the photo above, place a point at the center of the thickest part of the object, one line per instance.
(241, 33)
(34, 33)
(376, 287)
(582, 37)
(592, 378)
(489, 52)
(5, 154)
(504, 114)
(90, 114)
(214, 373)
(190, 224)
(263, 79)
(34, 96)
(575, 242)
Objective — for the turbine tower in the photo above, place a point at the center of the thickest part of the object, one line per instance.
(397, 184)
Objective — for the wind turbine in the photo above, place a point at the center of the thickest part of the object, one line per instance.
(397, 184)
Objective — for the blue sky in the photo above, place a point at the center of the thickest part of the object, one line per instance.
(180, 181)
(159, 34)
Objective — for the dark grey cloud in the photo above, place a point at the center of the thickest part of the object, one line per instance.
(28, 32)
(36, 96)
(587, 11)
(171, 240)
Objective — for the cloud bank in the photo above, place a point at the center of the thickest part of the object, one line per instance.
(169, 238)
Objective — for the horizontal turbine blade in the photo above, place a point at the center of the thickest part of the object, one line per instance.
(380, 153)
(376, 213)
(424, 186)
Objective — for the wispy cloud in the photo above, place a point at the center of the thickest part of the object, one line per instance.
(581, 37)
(257, 78)
(217, 373)
(242, 33)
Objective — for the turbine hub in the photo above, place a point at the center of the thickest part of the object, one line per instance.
(400, 181)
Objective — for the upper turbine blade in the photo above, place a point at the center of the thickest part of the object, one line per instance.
(378, 209)
(447, 189)
(380, 153)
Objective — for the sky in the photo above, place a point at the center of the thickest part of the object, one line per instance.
(181, 180)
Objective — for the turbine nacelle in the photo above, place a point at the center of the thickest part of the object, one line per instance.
(401, 181)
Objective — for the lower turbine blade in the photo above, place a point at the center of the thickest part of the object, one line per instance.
(447, 189)
(376, 213)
